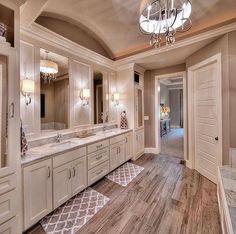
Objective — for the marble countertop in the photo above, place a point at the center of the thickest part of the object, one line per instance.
(46, 151)
(228, 176)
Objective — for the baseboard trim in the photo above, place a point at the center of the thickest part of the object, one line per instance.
(189, 164)
(151, 151)
(174, 126)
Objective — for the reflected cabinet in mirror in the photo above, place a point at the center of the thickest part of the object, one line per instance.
(4, 111)
(100, 96)
(54, 91)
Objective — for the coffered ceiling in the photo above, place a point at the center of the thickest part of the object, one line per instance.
(113, 24)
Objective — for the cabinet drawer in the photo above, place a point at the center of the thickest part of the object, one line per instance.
(10, 227)
(68, 157)
(97, 146)
(117, 139)
(7, 206)
(98, 172)
(98, 157)
(7, 183)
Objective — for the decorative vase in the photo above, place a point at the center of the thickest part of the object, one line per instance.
(123, 120)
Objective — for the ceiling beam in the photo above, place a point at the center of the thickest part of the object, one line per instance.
(30, 11)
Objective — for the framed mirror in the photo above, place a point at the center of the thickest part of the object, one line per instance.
(100, 97)
(54, 91)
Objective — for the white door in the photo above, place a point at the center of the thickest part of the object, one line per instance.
(37, 192)
(113, 156)
(121, 153)
(128, 147)
(79, 177)
(61, 184)
(207, 114)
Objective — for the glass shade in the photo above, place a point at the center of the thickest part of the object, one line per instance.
(27, 86)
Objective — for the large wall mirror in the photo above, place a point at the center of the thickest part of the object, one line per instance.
(100, 97)
(54, 91)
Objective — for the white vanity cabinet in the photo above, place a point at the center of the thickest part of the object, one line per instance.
(139, 142)
(69, 175)
(37, 179)
(128, 146)
(117, 151)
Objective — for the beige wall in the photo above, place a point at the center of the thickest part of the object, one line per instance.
(175, 107)
(227, 47)
(149, 100)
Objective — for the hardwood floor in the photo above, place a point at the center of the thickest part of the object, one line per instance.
(166, 197)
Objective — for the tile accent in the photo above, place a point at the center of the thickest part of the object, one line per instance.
(124, 174)
(75, 213)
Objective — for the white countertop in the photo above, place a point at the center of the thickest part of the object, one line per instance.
(49, 150)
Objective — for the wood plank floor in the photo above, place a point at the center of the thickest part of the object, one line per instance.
(166, 197)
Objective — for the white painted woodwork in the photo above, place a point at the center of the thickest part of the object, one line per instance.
(206, 116)
(112, 89)
(98, 172)
(79, 175)
(68, 156)
(80, 74)
(128, 146)
(7, 183)
(117, 154)
(8, 206)
(139, 143)
(98, 157)
(10, 227)
(37, 182)
(97, 146)
(62, 189)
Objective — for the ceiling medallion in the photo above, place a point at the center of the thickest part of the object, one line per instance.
(163, 18)
(48, 69)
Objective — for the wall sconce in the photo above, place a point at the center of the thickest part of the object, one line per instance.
(115, 98)
(84, 96)
(27, 88)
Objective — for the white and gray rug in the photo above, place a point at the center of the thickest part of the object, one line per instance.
(75, 213)
(124, 174)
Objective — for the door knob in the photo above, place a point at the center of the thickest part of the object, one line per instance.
(217, 138)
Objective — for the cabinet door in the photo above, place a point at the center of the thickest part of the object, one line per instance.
(79, 177)
(128, 147)
(61, 184)
(37, 192)
(113, 156)
(139, 143)
(121, 153)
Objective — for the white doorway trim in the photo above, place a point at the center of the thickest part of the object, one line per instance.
(157, 111)
(191, 109)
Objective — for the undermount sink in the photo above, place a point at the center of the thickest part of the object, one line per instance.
(86, 135)
(63, 144)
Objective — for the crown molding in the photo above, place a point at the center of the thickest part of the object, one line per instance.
(47, 36)
(185, 42)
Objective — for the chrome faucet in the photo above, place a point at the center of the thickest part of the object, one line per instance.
(58, 138)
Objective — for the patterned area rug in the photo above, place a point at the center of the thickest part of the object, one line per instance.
(75, 213)
(124, 174)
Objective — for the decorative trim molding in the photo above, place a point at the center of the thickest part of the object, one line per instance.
(151, 151)
(188, 41)
(45, 35)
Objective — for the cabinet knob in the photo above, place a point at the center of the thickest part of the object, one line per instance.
(216, 138)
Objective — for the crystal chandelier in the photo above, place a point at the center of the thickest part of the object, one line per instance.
(48, 69)
(163, 18)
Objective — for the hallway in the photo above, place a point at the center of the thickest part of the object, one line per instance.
(173, 143)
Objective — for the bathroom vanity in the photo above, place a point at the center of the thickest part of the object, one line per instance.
(53, 173)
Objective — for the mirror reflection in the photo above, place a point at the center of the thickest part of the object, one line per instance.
(98, 87)
(4, 111)
(54, 91)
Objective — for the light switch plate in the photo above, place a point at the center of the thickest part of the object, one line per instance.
(146, 117)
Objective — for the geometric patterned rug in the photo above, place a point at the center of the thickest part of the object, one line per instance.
(75, 213)
(124, 174)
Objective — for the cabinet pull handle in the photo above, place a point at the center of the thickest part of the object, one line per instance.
(99, 157)
(126, 139)
(12, 111)
(99, 146)
(117, 150)
(49, 172)
(98, 173)
(69, 174)
(74, 171)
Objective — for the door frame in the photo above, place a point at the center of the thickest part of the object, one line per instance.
(157, 110)
(191, 108)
